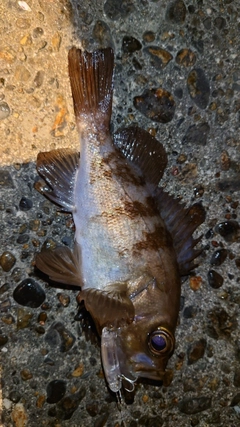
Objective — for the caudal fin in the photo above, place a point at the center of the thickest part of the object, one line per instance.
(91, 83)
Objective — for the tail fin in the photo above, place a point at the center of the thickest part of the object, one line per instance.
(91, 83)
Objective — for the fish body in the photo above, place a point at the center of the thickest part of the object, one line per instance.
(132, 241)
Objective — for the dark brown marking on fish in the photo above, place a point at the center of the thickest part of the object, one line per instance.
(107, 174)
(153, 240)
(135, 208)
(124, 172)
(121, 169)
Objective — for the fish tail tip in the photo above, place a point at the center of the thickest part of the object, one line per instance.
(91, 82)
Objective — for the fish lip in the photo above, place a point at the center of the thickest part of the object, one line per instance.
(148, 372)
(151, 374)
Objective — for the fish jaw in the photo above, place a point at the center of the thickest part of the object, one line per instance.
(143, 347)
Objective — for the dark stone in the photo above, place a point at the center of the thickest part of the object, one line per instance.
(4, 288)
(176, 12)
(24, 317)
(37, 32)
(56, 389)
(198, 191)
(237, 262)
(68, 405)
(235, 400)
(198, 87)
(64, 299)
(215, 280)
(230, 230)
(4, 110)
(229, 184)
(236, 378)
(67, 240)
(38, 81)
(25, 204)
(49, 244)
(118, 9)
(219, 22)
(14, 396)
(66, 337)
(29, 293)
(130, 44)
(191, 9)
(190, 312)
(92, 408)
(5, 305)
(186, 58)
(196, 351)
(198, 44)
(156, 104)
(22, 239)
(220, 324)
(148, 421)
(101, 420)
(102, 34)
(219, 257)
(193, 405)
(136, 64)
(159, 58)
(3, 340)
(149, 36)
(52, 338)
(178, 93)
(209, 234)
(7, 261)
(16, 274)
(207, 23)
(197, 134)
(5, 179)
(26, 374)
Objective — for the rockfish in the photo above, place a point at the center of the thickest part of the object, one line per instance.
(133, 241)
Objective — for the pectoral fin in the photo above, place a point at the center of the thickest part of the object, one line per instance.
(58, 168)
(108, 307)
(61, 265)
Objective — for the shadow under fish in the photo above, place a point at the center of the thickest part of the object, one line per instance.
(133, 241)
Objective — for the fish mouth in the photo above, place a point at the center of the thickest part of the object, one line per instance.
(150, 374)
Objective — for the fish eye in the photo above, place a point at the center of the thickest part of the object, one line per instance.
(160, 342)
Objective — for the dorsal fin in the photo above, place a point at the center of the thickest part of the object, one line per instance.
(91, 83)
(58, 169)
(181, 222)
(142, 149)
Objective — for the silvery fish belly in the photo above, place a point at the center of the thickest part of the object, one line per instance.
(133, 241)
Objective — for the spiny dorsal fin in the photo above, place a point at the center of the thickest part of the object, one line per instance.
(91, 82)
(61, 264)
(109, 307)
(142, 149)
(58, 169)
(181, 222)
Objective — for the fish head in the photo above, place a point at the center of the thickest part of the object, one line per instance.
(143, 347)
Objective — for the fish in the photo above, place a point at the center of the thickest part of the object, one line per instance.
(133, 241)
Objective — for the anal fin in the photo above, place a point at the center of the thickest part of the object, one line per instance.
(181, 222)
